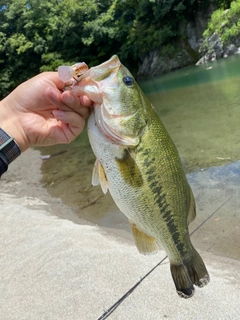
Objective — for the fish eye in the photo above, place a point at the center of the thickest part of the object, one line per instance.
(129, 81)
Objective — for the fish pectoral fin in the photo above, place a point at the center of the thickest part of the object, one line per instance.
(103, 179)
(129, 170)
(95, 175)
(99, 176)
(144, 243)
(192, 208)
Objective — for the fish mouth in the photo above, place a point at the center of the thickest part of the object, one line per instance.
(105, 69)
(107, 121)
(109, 131)
(80, 70)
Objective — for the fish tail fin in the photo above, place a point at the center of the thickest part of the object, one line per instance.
(192, 272)
(182, 281)
(197, 270)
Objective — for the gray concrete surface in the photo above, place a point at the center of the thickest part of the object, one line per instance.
(55, 266)
(52, 268)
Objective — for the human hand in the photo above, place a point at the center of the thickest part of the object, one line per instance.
(38, 113)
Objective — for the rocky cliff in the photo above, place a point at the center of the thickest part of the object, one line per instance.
(189, 49)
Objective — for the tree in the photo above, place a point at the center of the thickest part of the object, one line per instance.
(40, 35)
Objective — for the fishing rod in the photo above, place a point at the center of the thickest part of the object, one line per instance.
(108, 312)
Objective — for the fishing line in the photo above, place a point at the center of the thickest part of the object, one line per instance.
(211, 215)
(107, 313)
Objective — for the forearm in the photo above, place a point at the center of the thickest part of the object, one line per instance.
(9, 121)
(12, 141)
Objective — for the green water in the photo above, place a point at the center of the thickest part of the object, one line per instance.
(198, 105)
(191, 76)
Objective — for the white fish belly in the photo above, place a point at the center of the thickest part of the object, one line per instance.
(106, 152)
(128, 199)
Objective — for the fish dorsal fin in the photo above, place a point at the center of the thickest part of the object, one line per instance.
(99, 176)
(192, 208)
(144, 243)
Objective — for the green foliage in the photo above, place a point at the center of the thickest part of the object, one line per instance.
(40, 35)
(223, 4)
(225, 23)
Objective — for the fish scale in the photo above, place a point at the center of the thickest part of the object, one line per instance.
(139, 164)
(157, 187)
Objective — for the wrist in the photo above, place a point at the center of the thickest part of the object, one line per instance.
(9, 149)
(10, 123)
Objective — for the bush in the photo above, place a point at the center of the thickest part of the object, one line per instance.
(225, 23)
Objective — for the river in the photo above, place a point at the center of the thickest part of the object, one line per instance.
(199, 106)
(200, 109)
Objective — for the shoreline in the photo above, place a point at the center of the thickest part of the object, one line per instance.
(23, 179)
(215, 189)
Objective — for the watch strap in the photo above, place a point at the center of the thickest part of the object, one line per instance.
(9, 150)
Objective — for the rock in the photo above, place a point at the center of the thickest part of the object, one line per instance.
(213, 51)
(192, 37)
(156, 63)
(214, 38)
(186, 48)
(230, 50)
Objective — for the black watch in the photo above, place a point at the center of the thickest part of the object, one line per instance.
(9, 151)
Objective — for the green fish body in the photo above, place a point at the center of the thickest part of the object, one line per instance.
(139, 164)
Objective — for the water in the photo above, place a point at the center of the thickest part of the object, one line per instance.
(191, 76)
(201, 111)
(200, 108)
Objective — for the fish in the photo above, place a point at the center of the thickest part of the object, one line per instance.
(138, 163)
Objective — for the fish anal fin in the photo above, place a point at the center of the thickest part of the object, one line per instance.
(144, 243)
(99, 176)
(192, 208)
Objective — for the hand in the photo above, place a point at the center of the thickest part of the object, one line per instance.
(37, 112)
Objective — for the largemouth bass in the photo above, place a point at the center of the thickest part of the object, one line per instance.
(139, 164)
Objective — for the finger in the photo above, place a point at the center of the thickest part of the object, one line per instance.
(54, 96)
(74, 102)
(53, 76)
(74, 121)
(85, 101)
(84, 112)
